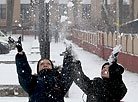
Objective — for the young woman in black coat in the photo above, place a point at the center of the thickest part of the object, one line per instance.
(48, 85)
(109, 88)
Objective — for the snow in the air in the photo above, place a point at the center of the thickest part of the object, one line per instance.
(91, 66)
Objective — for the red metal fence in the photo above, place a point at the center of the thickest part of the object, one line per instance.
(102, 44)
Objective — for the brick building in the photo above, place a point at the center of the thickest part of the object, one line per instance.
(21, 14)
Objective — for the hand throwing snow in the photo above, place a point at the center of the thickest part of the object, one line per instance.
(114, 54)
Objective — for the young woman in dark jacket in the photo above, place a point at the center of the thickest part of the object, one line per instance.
(109, 88)
(48, 85)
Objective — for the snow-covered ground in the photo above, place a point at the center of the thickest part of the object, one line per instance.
(90, 62)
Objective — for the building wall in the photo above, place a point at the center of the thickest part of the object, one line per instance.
(96, 9)
(53, 13)
(71, 17)
(16, 14)
(135, 8)
(79, 11)
(112, 1)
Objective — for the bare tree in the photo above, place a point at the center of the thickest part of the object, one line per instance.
(44, 29)
(120, 11)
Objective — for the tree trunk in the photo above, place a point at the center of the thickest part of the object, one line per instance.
(44, 30)
(120, 11)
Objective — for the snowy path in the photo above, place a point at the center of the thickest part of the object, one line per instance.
(91, 66)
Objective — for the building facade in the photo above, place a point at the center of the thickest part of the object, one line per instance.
(21, 14)
(81, 12)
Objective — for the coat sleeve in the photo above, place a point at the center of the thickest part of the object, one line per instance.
(66, 75)
(24, 72)
(80, 79)
(117, 90)
(117, 86)
(123, 91)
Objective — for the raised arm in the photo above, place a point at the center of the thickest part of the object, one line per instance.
(23, 68)
(66, 73)
(24, 72)
(117, 85)
(80, 78)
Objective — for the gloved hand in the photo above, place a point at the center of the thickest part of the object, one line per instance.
(67, 52)
(19, 45)
(113, 57)
(77, 66)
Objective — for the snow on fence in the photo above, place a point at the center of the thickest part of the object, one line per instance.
(101, 44)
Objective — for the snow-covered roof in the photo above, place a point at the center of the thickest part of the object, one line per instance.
(63, 1)
(2, 1)
(47, 1)
(135, 20)
(25, 1)
(22, 1)
(86, 1)
(126, 1)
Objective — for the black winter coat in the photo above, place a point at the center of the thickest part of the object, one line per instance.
(102, 89)
(43, 89)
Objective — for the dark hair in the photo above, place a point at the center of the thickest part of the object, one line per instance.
(41, 60)
(107, 63)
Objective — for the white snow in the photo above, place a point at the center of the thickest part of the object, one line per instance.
(63, 18)
(70, 4)
(115, 50)
(25, 1)
(91, 66)
(86, 1)
(47, 1)
(63, 1)
(69, 22)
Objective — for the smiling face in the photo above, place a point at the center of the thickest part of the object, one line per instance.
(45, 64)
(105, 71)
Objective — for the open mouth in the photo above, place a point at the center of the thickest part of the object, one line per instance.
(105, 72)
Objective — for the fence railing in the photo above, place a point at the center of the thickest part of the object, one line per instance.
(101, 43)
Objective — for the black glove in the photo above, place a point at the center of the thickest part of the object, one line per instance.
(11, 40)
(77, 66)
(66, 53)
(19, 45)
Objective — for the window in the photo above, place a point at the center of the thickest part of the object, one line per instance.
(2, 11)
(86, 11)
(25, 8)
